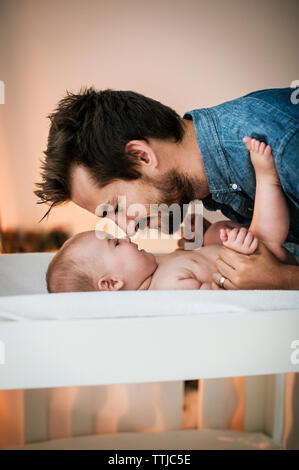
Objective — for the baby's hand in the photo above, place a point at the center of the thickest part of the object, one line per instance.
(239, 239)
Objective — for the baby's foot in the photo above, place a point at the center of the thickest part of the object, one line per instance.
(262, 159)
(239, 239)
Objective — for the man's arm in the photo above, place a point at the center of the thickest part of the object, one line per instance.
(262, 270)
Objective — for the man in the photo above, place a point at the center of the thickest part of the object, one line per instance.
(105, 144)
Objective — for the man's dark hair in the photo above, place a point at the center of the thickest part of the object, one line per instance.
(92, 129)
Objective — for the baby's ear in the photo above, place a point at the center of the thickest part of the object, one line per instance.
(110, 284)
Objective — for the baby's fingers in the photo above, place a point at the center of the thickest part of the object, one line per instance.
(254, 244)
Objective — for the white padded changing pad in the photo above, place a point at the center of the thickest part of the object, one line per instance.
(123, 304)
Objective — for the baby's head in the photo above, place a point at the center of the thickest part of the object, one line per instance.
(92, 261)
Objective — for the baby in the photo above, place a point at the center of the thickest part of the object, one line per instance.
(89, 263)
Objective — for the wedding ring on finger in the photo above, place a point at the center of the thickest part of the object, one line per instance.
(221, 281)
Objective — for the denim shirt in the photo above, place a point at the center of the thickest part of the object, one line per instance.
(268, 115)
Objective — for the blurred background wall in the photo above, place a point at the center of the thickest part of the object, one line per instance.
(186, 54)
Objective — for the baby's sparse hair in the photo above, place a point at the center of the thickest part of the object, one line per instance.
(68, 272)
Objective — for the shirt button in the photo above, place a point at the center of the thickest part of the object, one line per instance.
(234, 186)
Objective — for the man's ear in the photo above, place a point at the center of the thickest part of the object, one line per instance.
(110, 284)
(143, 152)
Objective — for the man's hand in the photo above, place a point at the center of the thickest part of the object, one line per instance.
(261, 270)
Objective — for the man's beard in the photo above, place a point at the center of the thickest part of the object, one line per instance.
(175, 188)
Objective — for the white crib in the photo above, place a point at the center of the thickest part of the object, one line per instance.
(146, 344)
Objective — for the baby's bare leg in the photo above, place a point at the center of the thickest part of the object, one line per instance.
(270, 221)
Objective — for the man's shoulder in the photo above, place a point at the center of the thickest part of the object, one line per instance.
(283, 99)
(264, 114)
(268, 99)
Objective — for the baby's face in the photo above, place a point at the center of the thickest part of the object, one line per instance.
(121, 258)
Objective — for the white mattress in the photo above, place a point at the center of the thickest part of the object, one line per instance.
(92, 305)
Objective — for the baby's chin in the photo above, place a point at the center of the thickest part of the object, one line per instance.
(150, 259)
